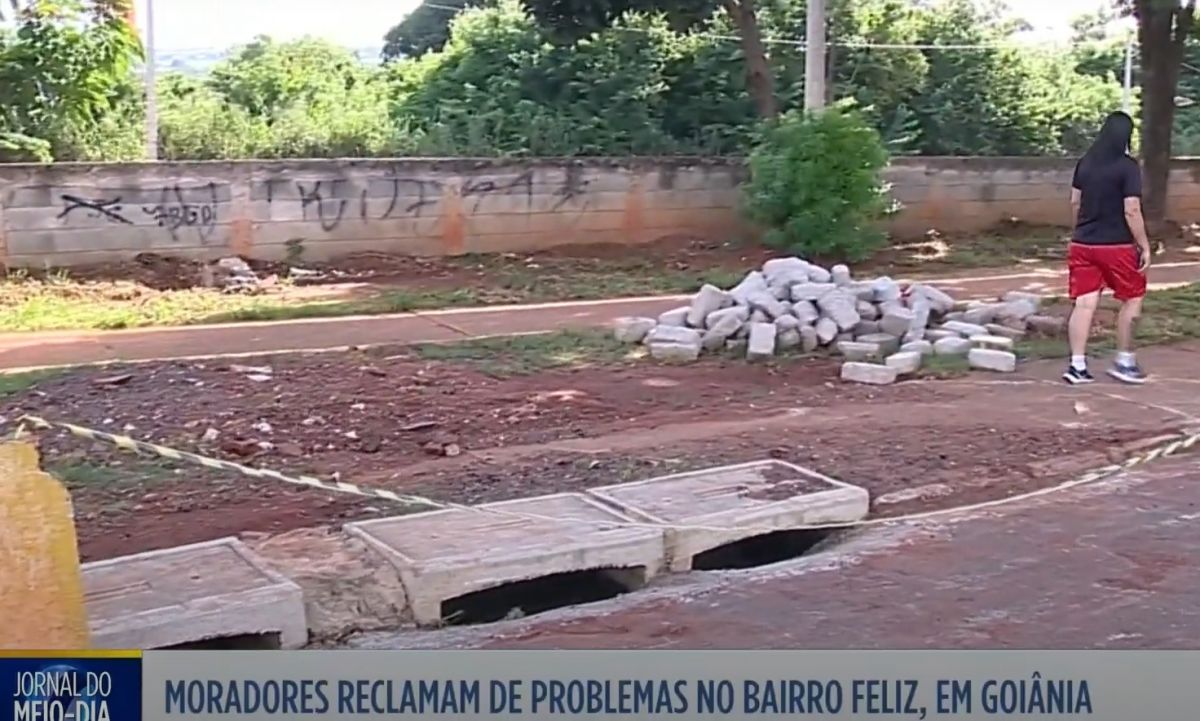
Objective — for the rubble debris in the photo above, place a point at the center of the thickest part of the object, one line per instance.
(793, 304)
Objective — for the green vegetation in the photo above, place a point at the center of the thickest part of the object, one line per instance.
(550, 77)
(60, 303)
(526, 354)
(817, 185)
(1168, 316)
(114, 482)
(12, 383)
(77, 474)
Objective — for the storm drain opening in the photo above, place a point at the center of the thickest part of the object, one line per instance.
(240, 642)
(765, 550)
(541, 594)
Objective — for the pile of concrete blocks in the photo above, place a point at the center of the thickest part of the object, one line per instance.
(882, 328)
(788, 304)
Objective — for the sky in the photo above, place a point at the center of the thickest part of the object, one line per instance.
(218, 24)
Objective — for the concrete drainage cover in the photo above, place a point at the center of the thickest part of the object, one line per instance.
(769, 495)
(218, 589)
(445, 554)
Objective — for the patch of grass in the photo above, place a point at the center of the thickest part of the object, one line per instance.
(44, 311)
(1004, 247)
(59, 304)
(1168, 316)
(395, 301)
(944, 366)
(77, 474)
(1052, 348)
(526, 354)
(530, 284)
(12, 383)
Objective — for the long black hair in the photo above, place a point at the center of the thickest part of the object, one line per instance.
(1113, 141)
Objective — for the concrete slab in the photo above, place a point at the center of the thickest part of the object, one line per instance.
(765, 495)
(442, 555)
(211, 590)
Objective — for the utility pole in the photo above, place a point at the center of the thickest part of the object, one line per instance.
(814, 56)
(1127, 95)
(151, 87)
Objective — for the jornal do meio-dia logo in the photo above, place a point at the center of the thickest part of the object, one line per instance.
(62, 692)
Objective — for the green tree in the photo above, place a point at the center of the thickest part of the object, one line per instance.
(62, 68)
(1186, 138)
(883, 82)
(566, 21)
(425, 28)
(266, 77)
(1164, 27)
(305, 98)
(971, 99)
(1097, 51)
(564, 77)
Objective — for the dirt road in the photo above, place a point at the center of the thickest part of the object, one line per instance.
(386, 421)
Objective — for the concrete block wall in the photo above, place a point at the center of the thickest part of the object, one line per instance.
(963, 195)
(76, 214)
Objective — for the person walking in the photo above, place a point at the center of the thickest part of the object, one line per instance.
(1109, 247)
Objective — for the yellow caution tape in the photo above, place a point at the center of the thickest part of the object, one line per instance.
(135, 446)
(1182, 443)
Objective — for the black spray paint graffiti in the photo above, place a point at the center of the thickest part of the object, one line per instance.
(312, 196)
(324, 201)
(572, 189)
(98, 208)
(175, 213)
(319, 199)
(425, 188)
(479, 189)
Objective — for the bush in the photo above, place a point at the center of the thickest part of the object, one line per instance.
(816, 185)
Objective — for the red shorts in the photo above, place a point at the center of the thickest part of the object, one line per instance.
(1096, 267)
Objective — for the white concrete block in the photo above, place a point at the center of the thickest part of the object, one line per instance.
(744, 500)
(441, 555)
(182, 595)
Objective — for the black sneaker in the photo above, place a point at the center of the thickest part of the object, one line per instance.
(1127, 373)
(1076, 377)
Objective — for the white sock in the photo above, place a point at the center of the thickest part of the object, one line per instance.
(1079, 362)
(1125, 358)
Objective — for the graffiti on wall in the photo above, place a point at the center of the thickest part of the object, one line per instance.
(330, 202)
(95, 208)
(173, 212)
(193, 211)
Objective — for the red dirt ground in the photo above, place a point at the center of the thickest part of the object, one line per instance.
(386, 419)
(384, 269)
(1009, 246)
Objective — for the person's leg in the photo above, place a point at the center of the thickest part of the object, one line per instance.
(1131, 310)
(1085, 283)
(1129, 287)
(1080, 327)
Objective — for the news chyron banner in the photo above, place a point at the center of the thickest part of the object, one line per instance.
(1116, 686)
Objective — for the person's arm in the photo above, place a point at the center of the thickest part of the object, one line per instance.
(1076, 196)
(1137, 226)
(1133, 212)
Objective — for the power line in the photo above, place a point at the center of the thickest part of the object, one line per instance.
(854, 45)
